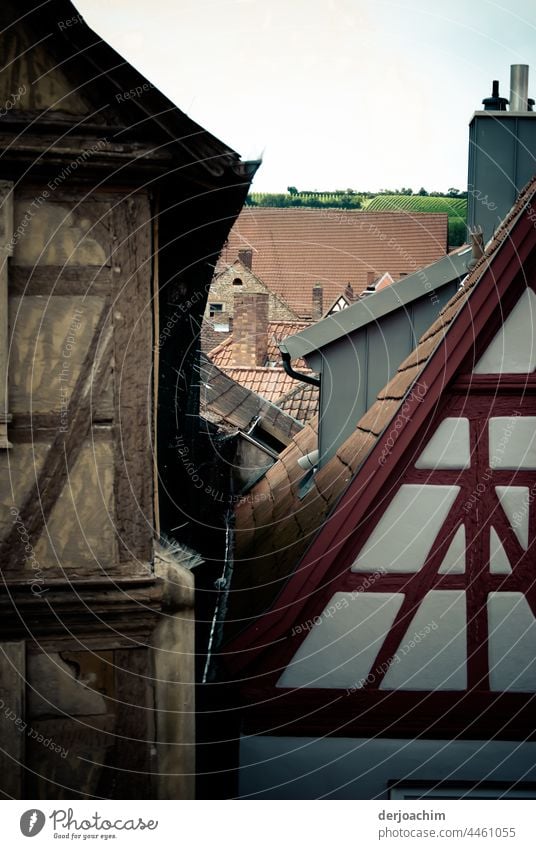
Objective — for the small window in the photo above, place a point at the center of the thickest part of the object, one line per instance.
(237, 282)
(215, 309)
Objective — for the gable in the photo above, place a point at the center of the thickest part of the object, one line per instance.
(237, 279)
(421, 594)
(341, 303)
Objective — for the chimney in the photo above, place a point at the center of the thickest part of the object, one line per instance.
(245, 255)
(349, 292)
(519, 88)
(250, 329)
(318, 302)
(501, 154)
(495, 103)
(371, 277)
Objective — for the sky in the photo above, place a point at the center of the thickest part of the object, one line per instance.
(332, 94)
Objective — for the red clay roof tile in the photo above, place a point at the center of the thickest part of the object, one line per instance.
(293, 249)
(222, 354)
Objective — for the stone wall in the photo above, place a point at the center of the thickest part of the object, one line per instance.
(224, 288)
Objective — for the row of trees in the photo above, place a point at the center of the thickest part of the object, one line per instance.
(309, 199)
(450, 193)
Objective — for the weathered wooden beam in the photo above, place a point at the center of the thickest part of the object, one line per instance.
(59, 280)
(133, 338)
(42, 427)
(6, 250)
(131, 760)
(65, 612)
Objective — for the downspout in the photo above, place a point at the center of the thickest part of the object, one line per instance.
(297, 375)
(222, 585)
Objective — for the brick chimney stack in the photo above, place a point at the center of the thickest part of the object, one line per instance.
(318, 301)
(250, 329)
(371, 277)
(245, 255)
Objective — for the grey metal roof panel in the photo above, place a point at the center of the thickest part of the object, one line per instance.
(378, 304)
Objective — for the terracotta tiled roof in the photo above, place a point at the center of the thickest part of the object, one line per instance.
(276, 523)
(230, 405)
(295, 248)
(222, 354)
(279, 330)
(299, 400)
(301, 403)
(211, 338)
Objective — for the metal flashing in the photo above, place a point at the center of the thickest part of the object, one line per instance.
(376, 305)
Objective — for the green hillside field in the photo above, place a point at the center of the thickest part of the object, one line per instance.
(456, 208)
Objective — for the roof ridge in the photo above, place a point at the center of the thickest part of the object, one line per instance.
(274, 369)
(220, 347)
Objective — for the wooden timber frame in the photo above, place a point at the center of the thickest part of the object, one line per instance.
(257, 656)
(115, 207)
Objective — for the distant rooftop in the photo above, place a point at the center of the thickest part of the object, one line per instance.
(294, 249)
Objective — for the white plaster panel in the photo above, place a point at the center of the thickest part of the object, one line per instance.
(80, 530)
(448, 448)
(50, 338)
(403, 537)
(360, 768)
(60, 234)
(512, 442)
(454, 560)
(514, 501)
(512, 643)
(513, 349)
(498, 561)
(342, 645)
(433, 652)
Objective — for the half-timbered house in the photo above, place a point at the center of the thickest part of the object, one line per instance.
(396, 652)
(114, 209)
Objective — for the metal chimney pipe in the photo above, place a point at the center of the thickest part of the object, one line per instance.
(519, 88)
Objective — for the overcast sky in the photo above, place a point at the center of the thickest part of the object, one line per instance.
(367, 94)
